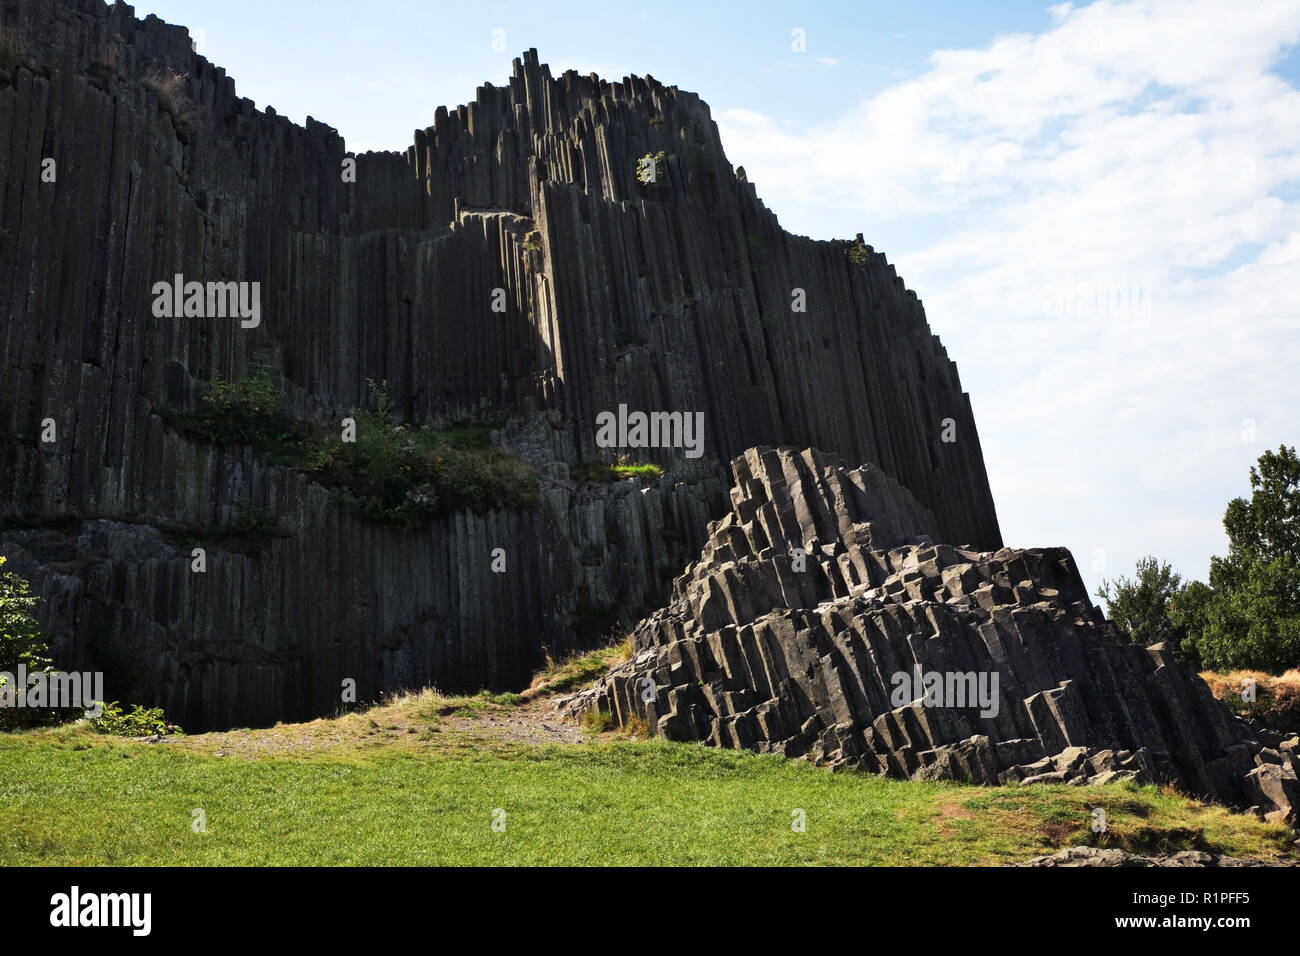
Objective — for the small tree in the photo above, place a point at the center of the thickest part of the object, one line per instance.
(21, 639)
(22, 642)
(1141, 606)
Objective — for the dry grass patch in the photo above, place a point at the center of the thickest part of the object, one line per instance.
(11, 54)
(1277, 698)
(170, 90)
(578, 670)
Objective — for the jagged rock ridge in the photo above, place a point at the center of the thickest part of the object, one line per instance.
(674, 296)
(820, 595)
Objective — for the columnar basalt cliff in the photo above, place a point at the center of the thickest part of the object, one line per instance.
(673, 295)
(822, 620)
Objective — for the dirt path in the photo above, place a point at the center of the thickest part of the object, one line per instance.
(417, 722)
(536, 722)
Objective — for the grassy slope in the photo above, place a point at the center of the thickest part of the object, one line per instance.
(416, 782)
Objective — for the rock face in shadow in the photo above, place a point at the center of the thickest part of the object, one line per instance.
(683, 295)
(823, 618)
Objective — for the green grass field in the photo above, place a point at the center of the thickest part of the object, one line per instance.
(416, 782)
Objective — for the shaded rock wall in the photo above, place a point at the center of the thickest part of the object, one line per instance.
(616, 292)
(830, 655)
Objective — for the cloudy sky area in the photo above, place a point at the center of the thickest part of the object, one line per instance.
(1099, 204)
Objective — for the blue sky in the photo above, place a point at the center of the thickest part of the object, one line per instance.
(330, 56)
(1099, 204)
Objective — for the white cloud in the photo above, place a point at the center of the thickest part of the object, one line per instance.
(1106, 254)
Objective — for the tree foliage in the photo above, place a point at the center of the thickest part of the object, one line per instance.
(21, 639)
(22, 642)
(1249, 615)
(1141, 605)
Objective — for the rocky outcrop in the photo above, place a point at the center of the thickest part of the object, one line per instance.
(823, 619)
(1094, 856)
(508, 268)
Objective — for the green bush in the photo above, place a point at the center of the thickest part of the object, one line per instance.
(257, 396)
(22, 642)
(652, 170)
(396, 474)
(392, 473)
(21, 639)
(249, 411)
(138, 722)
(251, 520)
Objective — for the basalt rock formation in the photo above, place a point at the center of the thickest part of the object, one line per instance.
(126, 159)
(824, 618)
